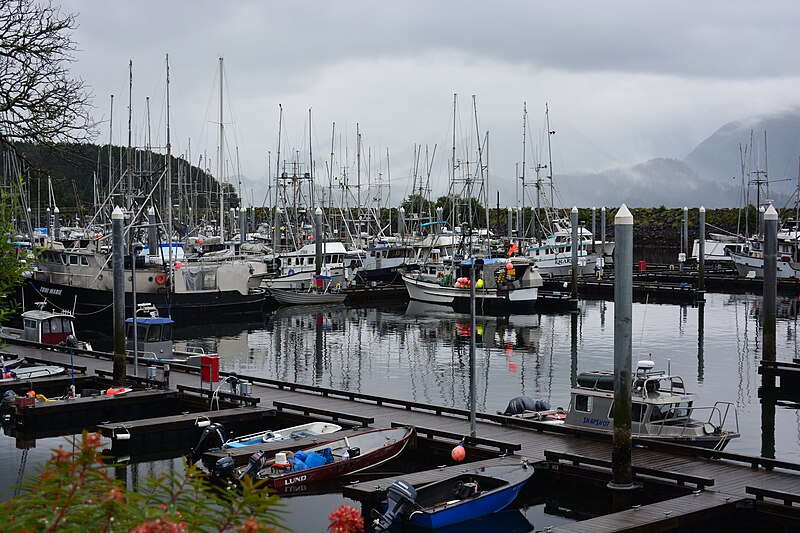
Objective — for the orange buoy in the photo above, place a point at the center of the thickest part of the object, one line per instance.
(459, 453)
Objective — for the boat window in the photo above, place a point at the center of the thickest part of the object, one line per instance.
(166, 332)
(45, 327)
(55, 325)
(154, 333)
(682, 409)
(29, 324)
(660, 412)
(84, 261)
(637, 412)
(583, 403)
(73, 259)
(310, 260)
(64, 259)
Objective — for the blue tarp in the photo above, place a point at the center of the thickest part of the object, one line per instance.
(303, 460)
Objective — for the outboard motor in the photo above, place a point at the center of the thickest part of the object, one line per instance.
(519, 405)
(8, 402)
(213, 436)
(399, 497)
(256, 463)
(224, 467)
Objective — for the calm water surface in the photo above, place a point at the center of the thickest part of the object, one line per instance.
(421, 353)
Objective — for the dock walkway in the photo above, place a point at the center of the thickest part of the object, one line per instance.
(733, 476)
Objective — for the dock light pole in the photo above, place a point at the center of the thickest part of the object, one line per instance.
(574, 222)
(701, 249)
(594, 228)
(118, 265)
(472, 408)
(621, 470)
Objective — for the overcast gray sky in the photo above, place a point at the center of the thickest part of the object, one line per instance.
(625, 80)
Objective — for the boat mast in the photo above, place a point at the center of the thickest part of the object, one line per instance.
(275, 245)
(129, 164)
(110, 155)
(220, 164)
(549, 155)
(311, 162)
(169, 191)
(524, 164)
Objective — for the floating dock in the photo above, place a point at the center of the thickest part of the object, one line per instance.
(703, 483)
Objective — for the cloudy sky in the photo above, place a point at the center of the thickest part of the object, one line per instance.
(625, 81)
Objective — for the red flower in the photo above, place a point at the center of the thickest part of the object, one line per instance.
(345, 519)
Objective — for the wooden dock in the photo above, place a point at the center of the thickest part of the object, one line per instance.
(722, 478)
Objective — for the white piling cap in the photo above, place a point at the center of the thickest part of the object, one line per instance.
(702, 209)
(624, 216)
(116, 214)
(318, 211)
(403, 209)
(574, 209)
(55, 210)
(770, 213)
(151, 211)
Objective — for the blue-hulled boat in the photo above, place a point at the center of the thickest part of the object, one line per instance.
(466, 495)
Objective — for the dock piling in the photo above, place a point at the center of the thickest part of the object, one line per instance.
(622, 473)
(118, 265)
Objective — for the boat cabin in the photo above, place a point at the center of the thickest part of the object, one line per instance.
(153, 334)
(48, 327)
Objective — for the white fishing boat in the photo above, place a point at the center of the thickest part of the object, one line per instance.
(661, 409)
(501, 285)
(296, 269)
(320, 292)
(719, 247)
(552, 254)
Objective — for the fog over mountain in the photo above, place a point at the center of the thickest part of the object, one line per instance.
(711, 175)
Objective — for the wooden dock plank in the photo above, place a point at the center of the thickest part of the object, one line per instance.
(669, 515)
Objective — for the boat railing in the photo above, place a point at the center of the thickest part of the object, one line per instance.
(685, 417)
(142, 354)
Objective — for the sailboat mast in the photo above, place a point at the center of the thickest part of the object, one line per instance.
(311, 160)
(220, 163)
(129, 163)
(524, 161)
(277, 181)
(549, 154)
(110, 154)
(169, 189)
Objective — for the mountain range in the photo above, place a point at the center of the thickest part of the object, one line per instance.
(711, 175)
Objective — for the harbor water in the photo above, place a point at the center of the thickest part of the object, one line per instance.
(421, 353)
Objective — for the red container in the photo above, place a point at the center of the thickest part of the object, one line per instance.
(642, 266)
(209, 368)
(24, 402)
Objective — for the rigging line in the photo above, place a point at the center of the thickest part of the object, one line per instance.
(644, 316)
